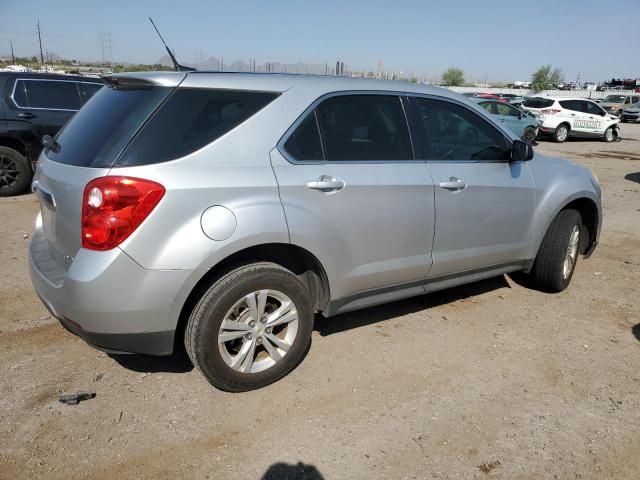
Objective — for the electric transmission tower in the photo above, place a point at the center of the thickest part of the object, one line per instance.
(106, 46)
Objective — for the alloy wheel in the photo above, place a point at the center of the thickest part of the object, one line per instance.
(572, 252)
(258, 331)
(9, 174)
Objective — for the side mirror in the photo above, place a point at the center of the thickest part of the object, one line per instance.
(521, 151)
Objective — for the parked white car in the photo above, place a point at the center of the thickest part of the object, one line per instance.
(572, 117)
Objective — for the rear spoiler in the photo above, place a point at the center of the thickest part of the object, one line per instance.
(135, 80)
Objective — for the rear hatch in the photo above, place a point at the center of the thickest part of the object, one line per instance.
(86, 148)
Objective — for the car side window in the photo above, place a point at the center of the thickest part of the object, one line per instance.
(507, 110)
(488, 106)
(47, 94)
(364, 127)
(87, 90)
(304, 143)
(635, 99)
(593, 109)
(456, 133)
(567, 104)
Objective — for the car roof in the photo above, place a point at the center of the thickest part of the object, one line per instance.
(51, 76)
(279, 82)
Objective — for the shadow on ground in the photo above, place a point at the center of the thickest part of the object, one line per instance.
(633, 177)
(176, 363)
(286, 471)
(180, 363)
(636, 331)
(380, 313)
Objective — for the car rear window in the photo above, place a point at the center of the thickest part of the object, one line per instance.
(190, 119)
(538, 102)
(98, 133)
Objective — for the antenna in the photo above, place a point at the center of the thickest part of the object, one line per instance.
(176, 66)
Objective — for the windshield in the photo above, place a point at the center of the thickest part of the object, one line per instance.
(96, 135)
(614, 99)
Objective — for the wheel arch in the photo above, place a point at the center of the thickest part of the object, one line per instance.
(590, 213)
(14, 144)
(292, 257)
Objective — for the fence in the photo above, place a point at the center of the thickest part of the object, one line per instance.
(547, 93)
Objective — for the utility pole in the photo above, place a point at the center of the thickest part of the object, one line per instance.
(13, 57)
(222, 65)
(40, 40)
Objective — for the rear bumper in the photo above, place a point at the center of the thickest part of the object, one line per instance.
(150, 343)
(109, 300)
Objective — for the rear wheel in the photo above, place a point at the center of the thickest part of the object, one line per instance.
(15, 172)
(561, 133)
(251, 328)
(558, 254)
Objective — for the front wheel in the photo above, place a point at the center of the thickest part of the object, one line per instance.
(251, 328)
(561, 133)
(558, 254)
(609, 135)
(529, 135)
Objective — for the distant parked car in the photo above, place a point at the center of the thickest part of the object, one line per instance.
(33, 105)
(565, 117)
(524, 125)
(492, 96)
(631, 114)
(615, 103)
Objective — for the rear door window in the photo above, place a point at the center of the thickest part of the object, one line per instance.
(190, 119)
(47, 94)
(364, 128)
(304, 143)
(456, 133)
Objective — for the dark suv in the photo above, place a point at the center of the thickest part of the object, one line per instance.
(33, 105)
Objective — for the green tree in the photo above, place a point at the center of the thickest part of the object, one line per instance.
(453, 77)
(545, 78)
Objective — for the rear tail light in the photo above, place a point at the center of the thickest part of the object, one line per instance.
(550, 111)
(113, 207)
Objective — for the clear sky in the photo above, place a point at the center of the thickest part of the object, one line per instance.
(496, 39)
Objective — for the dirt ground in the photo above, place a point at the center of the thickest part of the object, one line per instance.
(491, 380)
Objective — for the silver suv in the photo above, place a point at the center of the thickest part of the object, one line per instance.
(224, 210)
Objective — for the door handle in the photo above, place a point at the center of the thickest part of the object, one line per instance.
(27, 115)
(326, 184)
(454, 183)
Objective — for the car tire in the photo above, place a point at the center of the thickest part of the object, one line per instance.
(609, 135)
(245, 352)
(529, 135)
(558, 254)
(561, 133)
(15, 172)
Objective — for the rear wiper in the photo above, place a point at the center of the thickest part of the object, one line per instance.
(50, 144)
